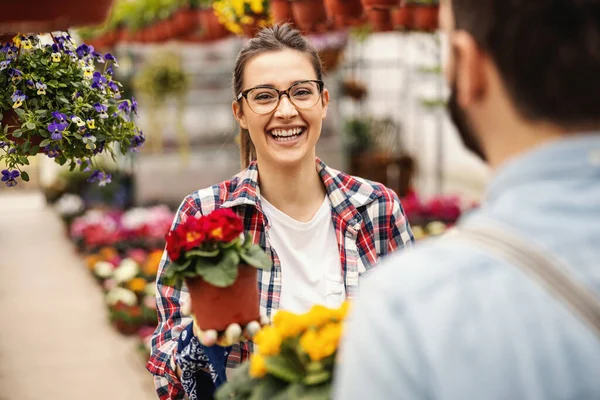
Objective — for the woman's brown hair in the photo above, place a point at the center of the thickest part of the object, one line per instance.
(275, 38)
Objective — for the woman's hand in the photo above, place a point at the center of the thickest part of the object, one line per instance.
(232, 335)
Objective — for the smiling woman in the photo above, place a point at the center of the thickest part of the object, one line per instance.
(322, 228)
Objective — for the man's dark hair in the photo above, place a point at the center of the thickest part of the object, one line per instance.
(547, 52)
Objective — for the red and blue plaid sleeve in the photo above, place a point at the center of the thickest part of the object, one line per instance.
(170, 323)
(400, 233)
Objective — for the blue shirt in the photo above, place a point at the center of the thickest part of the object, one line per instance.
(447, 321)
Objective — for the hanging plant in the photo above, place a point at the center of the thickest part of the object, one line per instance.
(54, 101)
(243, 16)
(161, 79)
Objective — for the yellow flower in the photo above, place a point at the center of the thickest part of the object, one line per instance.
(17, 40)
(289, 324)
(257, 6)
(341, 313)
(56, 57)
(258, 366)
(268, 341)
(17, 104)
(91, 123)
(246, 20)
(27, 45)
(320, 315)
(331, 333)
(137, 285)
(311, 345)
(238, 6)
(323, 343)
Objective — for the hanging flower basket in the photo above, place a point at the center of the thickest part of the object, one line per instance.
(281, 11)
(344, 12)
(49, 16)
(309, 15)
(64, 107)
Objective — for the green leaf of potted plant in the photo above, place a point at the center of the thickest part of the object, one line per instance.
(218, 267)
(62, 100)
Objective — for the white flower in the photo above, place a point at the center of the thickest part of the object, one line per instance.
(122, 295)
(126, 271)
(150, 289)
(103, 269)
(135, 218)
(150, 302)
(69, 204)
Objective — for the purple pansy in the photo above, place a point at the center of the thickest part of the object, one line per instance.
(4, 64)
(9, 177)
(137, 142)
(51, 151)
(56, 129)
(62, 118)
(15, 74)
(84, 50)
(101, 109)
(110, 57)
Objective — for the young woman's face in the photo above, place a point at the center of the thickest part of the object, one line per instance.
(287, 135)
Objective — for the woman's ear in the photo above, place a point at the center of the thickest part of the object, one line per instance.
(238, 114)
(325, 98)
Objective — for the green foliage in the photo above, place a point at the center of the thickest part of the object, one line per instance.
(162, 78)
(60, 79)
(218, 265)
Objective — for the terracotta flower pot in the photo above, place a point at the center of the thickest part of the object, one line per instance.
(402, 17)
(380, 19)
(309, 15)
(46, 16)
(425, 18)
(213, 29)
(344, 12)
(367, 4)
(281, 10)
(10, 118)
(216, 308)
(185, 21)
(250, 30)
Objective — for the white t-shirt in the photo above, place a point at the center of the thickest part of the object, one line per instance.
(310, 260)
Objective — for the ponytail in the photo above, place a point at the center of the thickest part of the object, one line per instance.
(247, 150)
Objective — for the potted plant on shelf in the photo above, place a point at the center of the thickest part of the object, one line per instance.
(344, 12)
(245, 17)
(49, 16)
(425, 15)
(309, 15)
(54, 101)
(219, 268)
(281, 11)
(367, 4)
(295, 359)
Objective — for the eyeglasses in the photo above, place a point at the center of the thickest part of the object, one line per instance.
(265, 99)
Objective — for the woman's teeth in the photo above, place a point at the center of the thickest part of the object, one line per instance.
(284, 135)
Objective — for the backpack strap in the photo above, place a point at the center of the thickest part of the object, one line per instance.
(493, 238)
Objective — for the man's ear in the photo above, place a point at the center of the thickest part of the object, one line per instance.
(238, 114)
(469, 68)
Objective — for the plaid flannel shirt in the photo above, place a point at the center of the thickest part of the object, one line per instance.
(369, 223)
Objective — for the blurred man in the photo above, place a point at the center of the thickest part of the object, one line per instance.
(452, 320)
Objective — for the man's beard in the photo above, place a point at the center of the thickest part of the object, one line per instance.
(466, 133)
